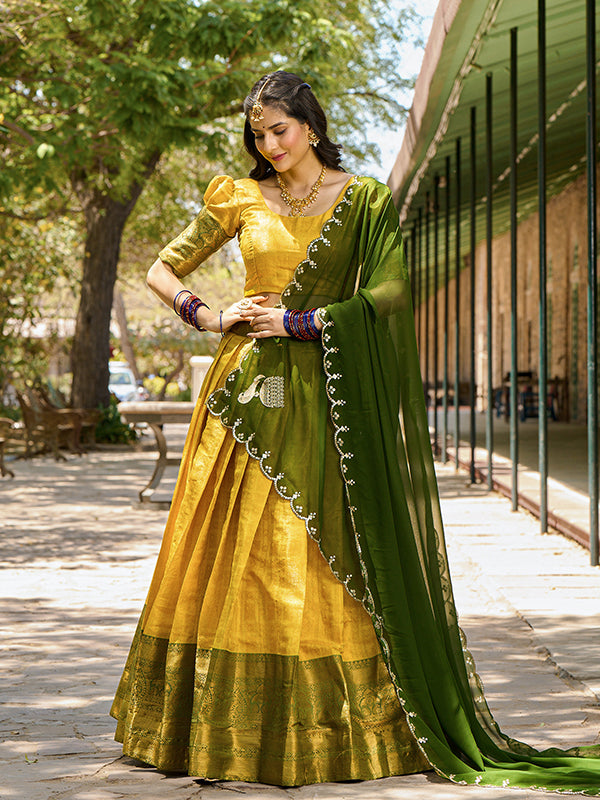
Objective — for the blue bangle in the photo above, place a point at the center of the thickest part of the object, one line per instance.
(175, 299)
(301, 324)
(221, 322)
(188, 310)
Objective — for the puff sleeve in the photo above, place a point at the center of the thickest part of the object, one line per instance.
(217, 222)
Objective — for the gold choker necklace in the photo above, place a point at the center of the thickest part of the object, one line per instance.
(297, 205)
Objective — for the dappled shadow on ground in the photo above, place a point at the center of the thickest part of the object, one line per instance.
(73, 540)
(84, 509)
(77, 556)
(531, 697)
(62, 658)
(64, 665)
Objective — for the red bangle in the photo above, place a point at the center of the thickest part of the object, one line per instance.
(188, 310)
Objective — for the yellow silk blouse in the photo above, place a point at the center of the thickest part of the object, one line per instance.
(272, 245)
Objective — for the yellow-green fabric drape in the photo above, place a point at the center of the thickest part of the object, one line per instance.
(353, 406)
(251, 661)
(391, 555)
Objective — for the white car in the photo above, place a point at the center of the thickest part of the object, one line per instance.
(122, 382)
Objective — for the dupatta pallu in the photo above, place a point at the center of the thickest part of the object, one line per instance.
(354, 403)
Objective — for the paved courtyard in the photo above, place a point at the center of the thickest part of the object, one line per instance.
(76, 556)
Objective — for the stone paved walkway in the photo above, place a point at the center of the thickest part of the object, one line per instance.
(76, 556)
(567, 489)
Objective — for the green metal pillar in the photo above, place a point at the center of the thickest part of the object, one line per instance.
(426, 294)
(446, 325)
(420, 284)
(489, 415)
(543, 333)
(514, 429)
(592, 314)
(436, 327)
(472, 245)
(457, 307)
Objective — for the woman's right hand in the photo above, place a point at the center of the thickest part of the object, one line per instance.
(240, 311)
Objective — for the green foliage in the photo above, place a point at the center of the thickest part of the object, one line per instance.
(91, 90)
(36, 272)
(155, 385)
(111, 429)
(10, 412)
(160, 338)
(97, 95)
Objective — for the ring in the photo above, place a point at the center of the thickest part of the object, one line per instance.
(245, 303)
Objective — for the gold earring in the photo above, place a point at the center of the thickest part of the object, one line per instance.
(313, 139)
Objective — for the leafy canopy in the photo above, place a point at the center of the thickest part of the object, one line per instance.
(99, 98)
(90, 90)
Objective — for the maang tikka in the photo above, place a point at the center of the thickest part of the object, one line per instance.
(256, 112)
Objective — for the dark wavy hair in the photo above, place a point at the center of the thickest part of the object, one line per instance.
(295, 98)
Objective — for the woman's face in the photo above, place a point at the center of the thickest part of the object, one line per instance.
(282, 140)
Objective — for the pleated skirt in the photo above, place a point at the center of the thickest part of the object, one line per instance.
(251, 661)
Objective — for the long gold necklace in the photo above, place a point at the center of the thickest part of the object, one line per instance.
(299, 204)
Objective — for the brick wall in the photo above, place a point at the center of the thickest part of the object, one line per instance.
(567, 304)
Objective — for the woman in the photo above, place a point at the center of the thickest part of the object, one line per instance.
(300, 625)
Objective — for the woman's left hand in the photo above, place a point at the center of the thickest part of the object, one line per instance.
(266, 322)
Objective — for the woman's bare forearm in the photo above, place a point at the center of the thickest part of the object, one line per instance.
(163, 282)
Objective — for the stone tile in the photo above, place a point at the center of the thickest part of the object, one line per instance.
(90, 794)
(77, 560)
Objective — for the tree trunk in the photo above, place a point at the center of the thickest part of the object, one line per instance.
(125, 339)
(105, 219)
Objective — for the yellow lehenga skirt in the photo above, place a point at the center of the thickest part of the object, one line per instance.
(251, 661)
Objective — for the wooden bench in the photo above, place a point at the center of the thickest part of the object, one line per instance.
(6, 432)
(47, 429)
(51, 400)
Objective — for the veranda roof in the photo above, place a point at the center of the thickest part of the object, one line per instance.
(469, 39)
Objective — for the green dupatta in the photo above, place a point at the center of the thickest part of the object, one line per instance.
(354, 404)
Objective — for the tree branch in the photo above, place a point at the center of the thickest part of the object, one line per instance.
(12, 126)
(172, 375)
